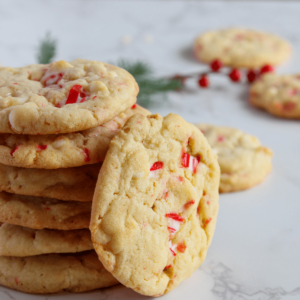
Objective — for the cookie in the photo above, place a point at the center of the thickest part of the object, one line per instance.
(53, 273)
(244, 162)
(72, 184)
(40, 213)
(278, 94)
(63, 150)
(63, 96)
(241, 48)
(155, 204)
(22, 241)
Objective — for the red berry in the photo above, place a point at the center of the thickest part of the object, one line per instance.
(266, 69)
(251, 75)
(235, 75)
(216, 65)
(203, 81)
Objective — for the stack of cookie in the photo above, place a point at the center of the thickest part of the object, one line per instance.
(56, 122)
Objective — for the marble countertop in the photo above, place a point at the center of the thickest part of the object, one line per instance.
(255, 251)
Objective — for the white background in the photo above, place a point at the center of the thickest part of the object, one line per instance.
(255, 251)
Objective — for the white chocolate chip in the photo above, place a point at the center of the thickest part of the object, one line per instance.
(58, 143)
(138, 175)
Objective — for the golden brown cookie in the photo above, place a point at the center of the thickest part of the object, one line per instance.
(22, 241)
(71, 184)
(241, 48)
(155, 204)
(278, 94)
(244, 162)
(40, 213)
(63, 150)
(63, 96)
(53, 273)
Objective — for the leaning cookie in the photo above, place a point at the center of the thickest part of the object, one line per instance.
(241, 48)
(244, 162)
(155, 204)
(278, 94)
(22, 241)
(40, 213)
(63, 150)
(70, 184)
(53, 273)
(63, 96)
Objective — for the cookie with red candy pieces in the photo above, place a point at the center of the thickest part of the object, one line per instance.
(53, 273)
(241, 48)
(63, 150)
(63, 97)
(19, 241)
(244, 162)
(155, 205)
(40, 213)
(278, 94)
(69, 184)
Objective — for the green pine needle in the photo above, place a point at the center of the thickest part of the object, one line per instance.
(136, 68)
(150, 88)
(46, 50)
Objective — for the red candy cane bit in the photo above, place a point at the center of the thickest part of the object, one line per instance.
(289, 105)
(221, 138)
(86, 151)
(133, 106)
(172, 252)
(53, 79)
(207, 222)
(157, 165)
(167, 267)
(185, 160)
(188, 204)
(14, 150)
(175, 217)
(94, 97)
(181, 247)
(58, 105)
(41, 147)
(198, 209)
(196, 162)
(74, 93)
(171, 230)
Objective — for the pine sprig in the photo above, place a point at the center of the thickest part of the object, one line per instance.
(150, 88)
(46, 50)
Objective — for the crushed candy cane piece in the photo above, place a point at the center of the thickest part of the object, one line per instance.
(41, 147)
(86, 151)
(53, 79)
(14, 150)
(172, 248)
(190, 162)
(181, 247)
(207, 222)
(156, 166)
(175, 217)
(188, 204)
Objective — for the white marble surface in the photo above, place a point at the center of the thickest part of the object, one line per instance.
(255, 251)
